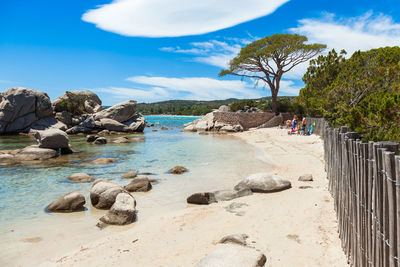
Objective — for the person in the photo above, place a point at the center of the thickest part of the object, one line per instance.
(303, 125)
(294, 121)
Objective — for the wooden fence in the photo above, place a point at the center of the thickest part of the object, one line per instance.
(364, 180)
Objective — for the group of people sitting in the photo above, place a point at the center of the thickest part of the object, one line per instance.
(299, 127)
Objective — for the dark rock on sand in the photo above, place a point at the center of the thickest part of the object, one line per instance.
(70, 202)
(103, 193)
(80, 178)
(122, 212)
(202, 198)
(306, 178)
(139, 185)
(233, 256)
(263, 183)
(178, 170)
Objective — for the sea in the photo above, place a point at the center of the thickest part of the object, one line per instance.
(214, 161)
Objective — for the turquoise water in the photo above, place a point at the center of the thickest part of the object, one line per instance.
(212, 161)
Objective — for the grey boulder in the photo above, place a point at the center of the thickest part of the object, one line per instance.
(201, 198)
(77, 102)
(263, 183)
(70, 202)
(227, 255)
(103, 193)
(139, 185)
(52, 138)
(100, 141)
(122, 212)
(120, 112)
(35, 153)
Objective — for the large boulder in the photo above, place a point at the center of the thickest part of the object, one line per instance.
(139, 185)
(20, 107)
(35, 153)
(263, 183)
(121, 112)
(77, 102)
(123, 211)
(113, 125)
(68, 203)
(46, 123)
(233, 256)
(52, 138)
(136, 124)
(103, 193)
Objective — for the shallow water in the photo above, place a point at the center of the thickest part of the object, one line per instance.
(214, 162)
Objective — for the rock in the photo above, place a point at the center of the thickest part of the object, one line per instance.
(78, 129)
(225, 195)
(139, 185)
(113, 125)
(178, 170)
(239, 239)
(64, 117)
(104, 161)
(224, 108)
(35, 153)
(129, 175)
(70, 202)
(91, 138)
(80, 178)
(121, 140)
(202, 198)
(103, 193)
(21, 107)
(122, 212)
(306, 178)
(206, 123)
(263, 183)
(104, 132)
(45, 124)
(189, 128)
(100, 141)
(77, 102)
(233, 256)
(52, 138)
(121, 112)
(305, 187)
(137, 123)
(164, 128)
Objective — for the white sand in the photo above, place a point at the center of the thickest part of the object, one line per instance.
(295, 227)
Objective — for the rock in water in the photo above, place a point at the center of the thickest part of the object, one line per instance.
(21, 107)
(103, 161)
(121, 140)
(225, 195)
(233, 256)
(70, 202)
(129, 175)
(201, 198)
(306, 178)
(239, 239)
(121, 112)
(35, 153)
(263, 183)
(139, 185)
(77, 102)
(52, 138)
(100, 141)
(91, 138)
(103, 193)
(80, 178)
(123, 211)
(178, 170)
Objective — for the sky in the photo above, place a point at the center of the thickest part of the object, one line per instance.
(155, 50)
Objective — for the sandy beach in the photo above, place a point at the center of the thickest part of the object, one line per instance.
(295, 227)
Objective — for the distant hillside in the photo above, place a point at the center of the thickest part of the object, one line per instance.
(193, 107)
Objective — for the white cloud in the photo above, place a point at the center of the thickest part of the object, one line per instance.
(352, 34)
(160, 18)
(213, 52)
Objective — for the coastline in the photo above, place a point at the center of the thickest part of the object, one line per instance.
(295, 227)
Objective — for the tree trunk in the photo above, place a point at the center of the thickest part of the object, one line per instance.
(274, 102)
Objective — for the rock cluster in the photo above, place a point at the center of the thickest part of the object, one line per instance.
(210, 123)
(26, 110)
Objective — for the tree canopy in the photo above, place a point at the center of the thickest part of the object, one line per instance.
(362, 92)
(269, 58)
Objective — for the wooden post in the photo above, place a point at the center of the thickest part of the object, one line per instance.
(397, 170)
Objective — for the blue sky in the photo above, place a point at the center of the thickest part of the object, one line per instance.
(152, 50)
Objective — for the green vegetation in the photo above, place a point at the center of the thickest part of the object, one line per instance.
(191, 107)
(362, 92)
(267, 59)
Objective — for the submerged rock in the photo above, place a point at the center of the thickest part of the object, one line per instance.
(80, 178)
(122, 212)
(104, 161)
(139, 185)
(178, 170)
(36, 153)
(130, 175)
(233, 256)
(201, 198)
(70, 202)
(263, 183)
(103, 193)
(121, 140)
